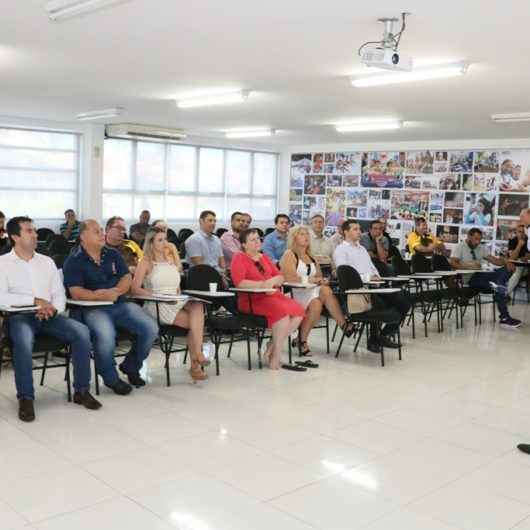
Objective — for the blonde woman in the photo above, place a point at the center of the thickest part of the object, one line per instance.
(299, 266)
(159, 273)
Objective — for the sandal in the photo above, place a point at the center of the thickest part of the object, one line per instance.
(196, 372)
(305, 352)
(294, 368)
(307, 364)
(349, 328)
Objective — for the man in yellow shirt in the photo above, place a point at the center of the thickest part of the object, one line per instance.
(115, 231)
(422, 241)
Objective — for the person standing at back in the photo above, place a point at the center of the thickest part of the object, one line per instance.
(70, 228)
(275, 243)
(138, 230)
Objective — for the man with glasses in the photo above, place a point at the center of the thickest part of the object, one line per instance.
(470, 254)
(115, 232)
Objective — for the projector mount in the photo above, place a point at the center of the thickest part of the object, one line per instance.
(390, 40)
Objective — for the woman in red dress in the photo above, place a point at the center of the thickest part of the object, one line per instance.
(251, 269)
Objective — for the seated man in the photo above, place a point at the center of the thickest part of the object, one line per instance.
(70, 229)
(28, 278)
(230, 239)
(275, 243)
(470, 254)
(422, 241)
(377, 246)
(320, 245)
(138, 230)
(94, 272)
(204, 247)
(518, 250)
(115, 232)
(352, 253)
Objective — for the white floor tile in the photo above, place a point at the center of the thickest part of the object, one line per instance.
(11, 520)
(404, 519)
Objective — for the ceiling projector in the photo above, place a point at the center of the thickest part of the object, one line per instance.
(384, 53)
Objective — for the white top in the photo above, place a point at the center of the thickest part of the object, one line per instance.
(22, 281)
(356, 256)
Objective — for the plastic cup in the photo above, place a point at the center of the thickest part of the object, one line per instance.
(213, 287)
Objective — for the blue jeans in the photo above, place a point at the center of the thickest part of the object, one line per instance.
(481, 280)
(103, 322)
(22, 331)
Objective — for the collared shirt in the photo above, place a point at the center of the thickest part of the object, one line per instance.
(22, 281)
(356, 256)
(130, 251)
(75, 230)
(465, 253)
(206, 246)
(368, 242)
(275, 245)
(231, 245)
(320, 245)
(80, 270)
(414, 240)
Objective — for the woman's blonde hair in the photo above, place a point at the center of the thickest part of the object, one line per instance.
(171, 251)
(293, 232)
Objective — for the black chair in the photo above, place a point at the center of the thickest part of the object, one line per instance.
(420, 263)
(269, 231)
(172, 237)
(184, 233)
(43, 234)
(524, 281)
(382, 268)
(400, 265)
(260, 232)
(59, 260)
(58, 245)
(349, 278)
(220, 231)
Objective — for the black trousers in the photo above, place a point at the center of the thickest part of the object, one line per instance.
(397, 301)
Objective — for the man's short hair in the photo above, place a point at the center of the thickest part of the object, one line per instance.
(419, 220)
(348, 223)
(233, 216)
(374, 222)
(205, 214)
(317, 215)
(13, 225)
(474, 231)
(69, 210)
(112, 220)
(281, 216)
(2, 215)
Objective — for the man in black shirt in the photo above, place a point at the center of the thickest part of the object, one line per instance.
(518, 249)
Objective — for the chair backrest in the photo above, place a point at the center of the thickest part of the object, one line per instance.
(59, 260)
(172, 236)
(441, 263)
(200, 277)
(399, 265)
(44, 233)
(184, 233)
(260, 233)
(220, 231)
(420, 263)
(348, 278)
(269, 230)
(382, 268)
(58, 245)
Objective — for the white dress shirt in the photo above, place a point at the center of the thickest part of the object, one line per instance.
(22, 281)
(356, 256)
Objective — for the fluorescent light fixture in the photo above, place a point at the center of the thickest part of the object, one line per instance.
(62, 9)
(256, 133)
(511, 118)
(420, 74)
(220, 99)
(98, 114)
(375, 125)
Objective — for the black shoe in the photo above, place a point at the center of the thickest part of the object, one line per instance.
(388, 342)
(26, 411)
(525, 448)
(121, 387)
(87, 400)
(374, 346)
(509, 322)
(134, 378)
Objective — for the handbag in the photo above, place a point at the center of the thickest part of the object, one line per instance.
(359, 303)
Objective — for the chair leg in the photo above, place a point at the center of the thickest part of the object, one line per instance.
(290, 349)
(361, 332)
(340, 344)
(399, 344)
(248, 352)
(168, 377)
(45, 365)
(230, 347)
(217, 344)
(68, 378)
(327, 334)
(334, 332)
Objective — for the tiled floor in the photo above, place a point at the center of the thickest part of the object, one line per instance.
(427, 443)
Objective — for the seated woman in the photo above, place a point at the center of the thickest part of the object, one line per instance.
(299, 266)
(158, 273)
(251, 270)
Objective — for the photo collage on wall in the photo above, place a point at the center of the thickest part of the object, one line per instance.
(453, 190)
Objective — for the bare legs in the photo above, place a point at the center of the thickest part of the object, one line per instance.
(281, 330)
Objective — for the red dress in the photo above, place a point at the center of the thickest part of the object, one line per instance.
(272, 306)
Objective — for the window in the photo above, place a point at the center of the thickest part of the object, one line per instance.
(177, 182)
(39, 172)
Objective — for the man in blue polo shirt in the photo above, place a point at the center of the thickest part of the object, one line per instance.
(275, 243)
(94, 272)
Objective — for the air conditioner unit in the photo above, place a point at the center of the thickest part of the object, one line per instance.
(133, 131)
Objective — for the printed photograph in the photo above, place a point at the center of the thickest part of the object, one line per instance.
(413, 182)
(347, 163)
(467, 181)
(334, 181)
(419, 162)
(335, 199)
(382, 170)
(356, 197)
(448, 234)
(430, 182)
(453, 216)
(441, 156)
(375, 195)
(315, 185)
(486, 162)
(318, 163)
(375, 210)
(479, 209)
(451, 182)
(295, 195)
(499, 248)
(441, 167)
(330, 231)
(350, 181)
(437, 202)
(461, 161)
(300, 167)
(484, 182)
(454, 199)
(435, 218)
(306, 217)
(315, 204)
(329, 158)
(328, 168)
(351, 213)
(511, 204)
(295, 213)
(362, 213)
(514, 170)
(407, 205)
(506, 228)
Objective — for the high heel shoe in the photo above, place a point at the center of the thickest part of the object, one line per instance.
(196, 372)
(203, 361)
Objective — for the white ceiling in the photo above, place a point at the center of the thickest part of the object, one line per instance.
(296, 56)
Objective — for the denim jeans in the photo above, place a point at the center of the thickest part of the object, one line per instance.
(22, 331)
(103, 322)
(481, 280)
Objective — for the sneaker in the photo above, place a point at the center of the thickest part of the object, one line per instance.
(510, 322)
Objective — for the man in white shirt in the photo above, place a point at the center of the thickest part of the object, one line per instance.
(27, 279)
(352, 253)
